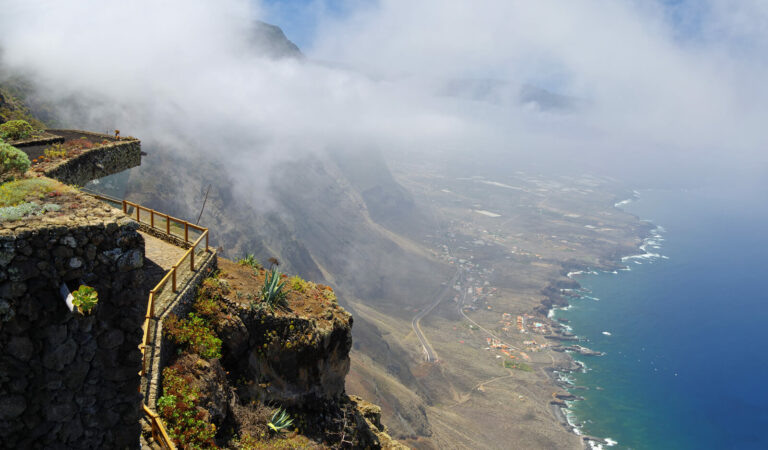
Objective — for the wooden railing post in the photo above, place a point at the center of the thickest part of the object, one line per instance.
(206, 240)
(167, 224)
(152, 218)
(186, 232)
(125, 207)
(138, 213)
(173, 277)
(192, 259)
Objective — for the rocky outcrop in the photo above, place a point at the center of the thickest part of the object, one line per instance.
(294, 360)
(373, 433)
(294, 357)
(68, 380)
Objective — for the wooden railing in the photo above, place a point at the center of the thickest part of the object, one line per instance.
(173, 227)
(158, 430)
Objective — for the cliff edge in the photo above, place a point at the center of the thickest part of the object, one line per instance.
(243, 359)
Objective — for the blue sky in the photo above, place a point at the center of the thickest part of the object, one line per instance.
(298, 18)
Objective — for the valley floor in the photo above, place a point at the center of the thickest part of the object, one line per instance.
(481, 352)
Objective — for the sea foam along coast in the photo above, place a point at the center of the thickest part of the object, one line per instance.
(649, 248)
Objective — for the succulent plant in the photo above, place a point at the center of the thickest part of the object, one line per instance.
(280, 421)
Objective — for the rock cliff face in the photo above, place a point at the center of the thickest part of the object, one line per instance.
(68, 380)
(296, 357)
(296, 361)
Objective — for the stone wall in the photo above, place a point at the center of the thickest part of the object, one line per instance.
(98, 162)
(66, 380)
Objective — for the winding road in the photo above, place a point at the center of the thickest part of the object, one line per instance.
(445, 290)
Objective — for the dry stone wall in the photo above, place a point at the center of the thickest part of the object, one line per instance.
(66, 380)
(98, 162)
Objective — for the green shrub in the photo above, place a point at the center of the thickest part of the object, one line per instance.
(193, 333)
(298, 284)
(85, 298)
(16, 192)
(16, 129)
(250, 260)
(272, 292)
(55, 153)
(179, 410)
(12, 160)
(11, 213)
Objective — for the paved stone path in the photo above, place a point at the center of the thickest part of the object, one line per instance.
(160, 257)
(160, 252)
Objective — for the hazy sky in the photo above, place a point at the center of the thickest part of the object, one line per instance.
(678, 83)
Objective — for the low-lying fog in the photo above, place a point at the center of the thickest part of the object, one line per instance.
(653, 91)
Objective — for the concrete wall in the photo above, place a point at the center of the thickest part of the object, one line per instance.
(71, 381)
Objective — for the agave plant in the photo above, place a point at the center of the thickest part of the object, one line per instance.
(272, 292)
(280, 421)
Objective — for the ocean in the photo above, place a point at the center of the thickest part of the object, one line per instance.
(685, 330)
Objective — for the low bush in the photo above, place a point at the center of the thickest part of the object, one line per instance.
(298, 284)
(20, 191)
(211, 309)
(11, 213)
(179, 410)
(55, 153)
(194, 334)
(13, 161)
(16, 129)
(250, 260)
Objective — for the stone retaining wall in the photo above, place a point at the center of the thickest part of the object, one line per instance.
(98, 162)
(44, 139)
(66, 380)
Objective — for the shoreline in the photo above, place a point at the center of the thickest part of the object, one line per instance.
(651, 239)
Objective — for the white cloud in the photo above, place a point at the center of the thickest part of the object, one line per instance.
(178, 71)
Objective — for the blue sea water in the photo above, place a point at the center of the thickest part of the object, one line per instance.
(687, 355)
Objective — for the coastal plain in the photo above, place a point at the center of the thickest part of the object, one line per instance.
(484, 348)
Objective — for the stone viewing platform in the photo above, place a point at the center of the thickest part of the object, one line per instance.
(77, 157)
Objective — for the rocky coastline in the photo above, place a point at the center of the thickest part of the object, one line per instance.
(557, 296)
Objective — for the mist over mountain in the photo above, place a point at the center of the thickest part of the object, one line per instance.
(270, 41)
(500, 92)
